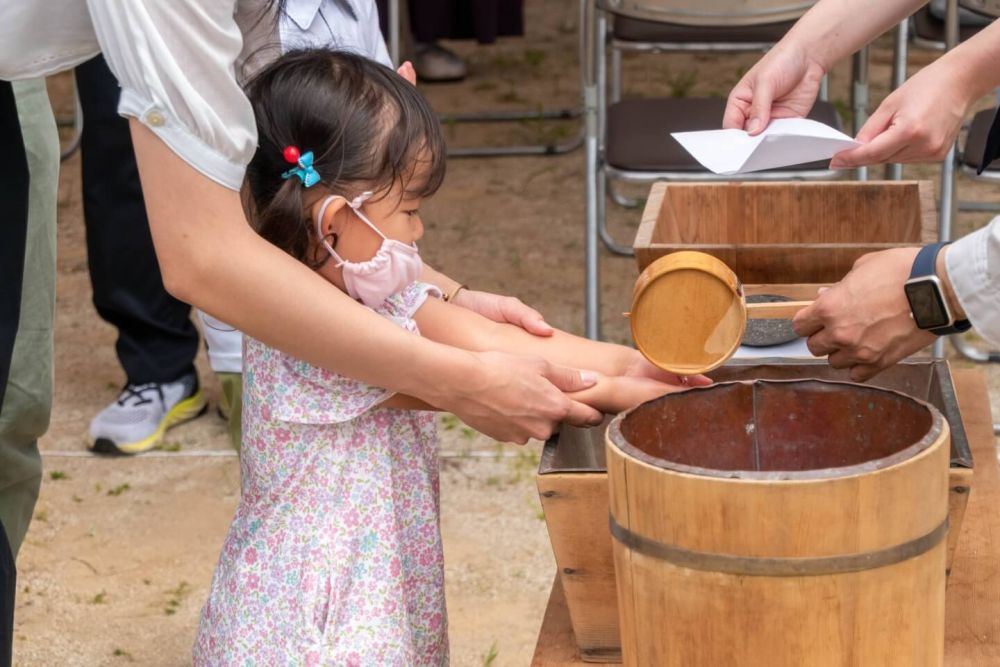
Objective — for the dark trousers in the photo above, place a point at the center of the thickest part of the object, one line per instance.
(13, 232)
(484, 21)
(156, 340)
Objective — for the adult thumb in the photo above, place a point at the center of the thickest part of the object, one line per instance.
(569, 380)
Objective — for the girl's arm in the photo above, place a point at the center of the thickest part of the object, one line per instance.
(491, 306)
(625, 377)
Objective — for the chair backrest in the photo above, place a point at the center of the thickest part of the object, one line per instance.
(713, 12)
(985, 7)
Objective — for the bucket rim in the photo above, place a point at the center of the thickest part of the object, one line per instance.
(615, 437)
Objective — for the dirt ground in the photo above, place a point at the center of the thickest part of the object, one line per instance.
(120, 553)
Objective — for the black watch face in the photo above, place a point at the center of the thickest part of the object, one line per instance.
(926, 304)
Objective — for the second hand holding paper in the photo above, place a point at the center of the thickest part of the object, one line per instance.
(783, 143)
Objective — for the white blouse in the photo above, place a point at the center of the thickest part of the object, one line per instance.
(175, 62)
(973, 264)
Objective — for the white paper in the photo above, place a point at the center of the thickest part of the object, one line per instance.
(785, 142)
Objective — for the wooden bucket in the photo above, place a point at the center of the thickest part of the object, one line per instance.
(780, 523)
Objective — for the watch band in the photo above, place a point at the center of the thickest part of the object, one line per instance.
(924, 265)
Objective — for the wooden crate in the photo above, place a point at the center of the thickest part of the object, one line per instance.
(786, 232)
(572, 483)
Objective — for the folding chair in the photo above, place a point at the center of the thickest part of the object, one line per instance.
(393, 22)
(629, 140)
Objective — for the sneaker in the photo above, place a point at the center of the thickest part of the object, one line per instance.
(140, 416)
(436, 64)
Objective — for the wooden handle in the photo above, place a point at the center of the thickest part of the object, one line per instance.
(779, 310)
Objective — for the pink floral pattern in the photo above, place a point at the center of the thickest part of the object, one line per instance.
(334, 554)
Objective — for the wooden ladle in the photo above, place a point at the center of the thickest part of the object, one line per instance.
(689, 312)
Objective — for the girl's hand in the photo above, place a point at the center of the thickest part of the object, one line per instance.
(614, 394)
(504, 309)
(783, 84)
(637, 366)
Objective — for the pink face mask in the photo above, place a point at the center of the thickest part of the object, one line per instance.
(393, 267)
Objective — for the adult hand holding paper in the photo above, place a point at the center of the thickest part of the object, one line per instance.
(784, 142)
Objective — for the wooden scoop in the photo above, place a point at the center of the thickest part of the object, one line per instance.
(689, 313)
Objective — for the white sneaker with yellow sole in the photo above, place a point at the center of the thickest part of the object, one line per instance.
(140, 416)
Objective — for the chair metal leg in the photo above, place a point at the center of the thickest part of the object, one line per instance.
(602, 219)
(947, 216)
(621, 199)
(393, 21)
(616, 75)
(592, 302)
(894, 172)
(978, 206)
(859, 98)
(513, 116)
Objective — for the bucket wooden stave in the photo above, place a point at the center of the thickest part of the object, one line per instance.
(721, 564)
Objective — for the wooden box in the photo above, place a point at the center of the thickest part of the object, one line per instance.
(786, 232)
(572, 482)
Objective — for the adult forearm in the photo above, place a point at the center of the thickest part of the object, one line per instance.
(975, 63)
(834, 29)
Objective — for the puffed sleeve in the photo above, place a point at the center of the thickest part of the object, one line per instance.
(175, 61)
(314, 395)
(973, 263)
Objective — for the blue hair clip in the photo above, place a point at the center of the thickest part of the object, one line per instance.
(305, 171)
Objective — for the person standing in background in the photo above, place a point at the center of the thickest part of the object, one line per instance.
(157, 342)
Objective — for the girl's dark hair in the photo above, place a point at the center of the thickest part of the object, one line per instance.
(367, 128)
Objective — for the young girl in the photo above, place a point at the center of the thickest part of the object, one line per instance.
(334, 554)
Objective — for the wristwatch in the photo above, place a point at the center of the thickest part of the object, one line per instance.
(926, 296)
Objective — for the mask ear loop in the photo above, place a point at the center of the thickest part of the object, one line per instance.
(355, 205)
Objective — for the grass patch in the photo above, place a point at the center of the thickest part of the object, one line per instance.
(56, 475)
(176, 598)
(491, 655)
(118, 490)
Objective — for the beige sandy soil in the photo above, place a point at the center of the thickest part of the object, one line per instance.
(120, 553)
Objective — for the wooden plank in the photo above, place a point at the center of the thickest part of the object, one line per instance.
(576, 515)
(847, 218)
(778, 262)
(972, 606)
(556, 646)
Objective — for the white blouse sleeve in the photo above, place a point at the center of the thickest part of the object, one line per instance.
(174, 61)
(973, 264)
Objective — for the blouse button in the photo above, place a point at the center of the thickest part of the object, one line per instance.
(155, 119)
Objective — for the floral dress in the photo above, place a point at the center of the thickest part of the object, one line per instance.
(334, 555)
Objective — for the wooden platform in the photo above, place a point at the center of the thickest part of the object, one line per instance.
(972, 614)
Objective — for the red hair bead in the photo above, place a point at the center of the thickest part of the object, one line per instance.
(291, 154)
